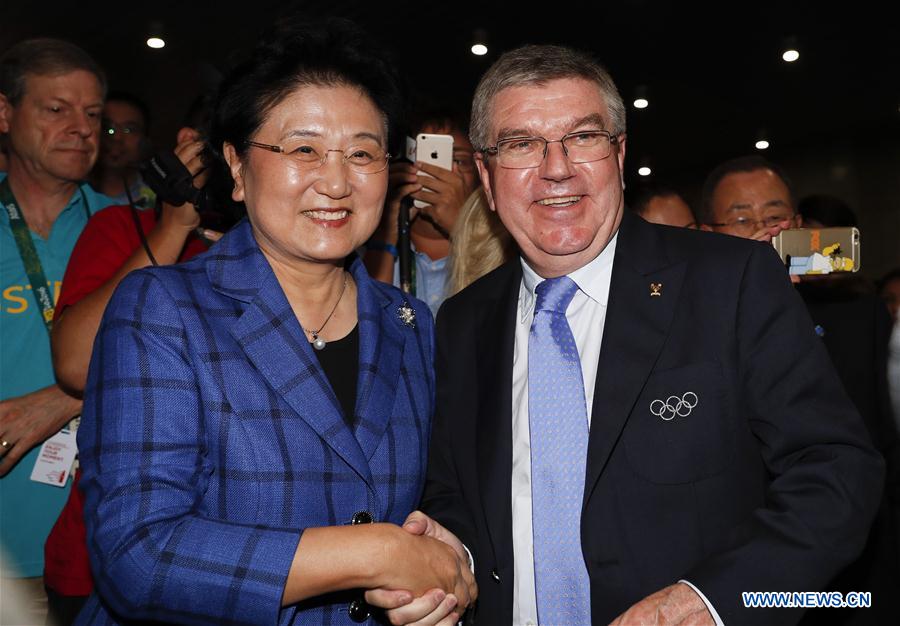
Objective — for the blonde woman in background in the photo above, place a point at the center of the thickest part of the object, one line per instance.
(479, 243)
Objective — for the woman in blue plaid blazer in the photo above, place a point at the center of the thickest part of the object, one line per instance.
(227, 465)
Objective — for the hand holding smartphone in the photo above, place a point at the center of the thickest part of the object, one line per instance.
(436, 150)
(810, 251)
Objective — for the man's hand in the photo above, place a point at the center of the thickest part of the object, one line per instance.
(445, 191)
(31, 419)
(676, 605)
(435, 607)
(766, 234)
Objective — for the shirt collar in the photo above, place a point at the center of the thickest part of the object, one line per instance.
(592, 279)
(77, 200)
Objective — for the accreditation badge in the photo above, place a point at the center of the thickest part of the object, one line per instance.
(55, 460)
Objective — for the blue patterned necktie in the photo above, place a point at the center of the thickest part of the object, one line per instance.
(557, 419)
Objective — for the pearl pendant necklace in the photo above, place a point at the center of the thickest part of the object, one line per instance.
(317, 342)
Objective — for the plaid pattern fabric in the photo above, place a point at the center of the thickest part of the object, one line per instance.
(211, 438)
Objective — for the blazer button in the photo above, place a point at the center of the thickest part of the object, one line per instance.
(359, 611)
(361, 517)
(495, 575)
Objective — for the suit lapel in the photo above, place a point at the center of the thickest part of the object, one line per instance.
(637, 324)
(494, 428)
(381, 342)
(271, 337)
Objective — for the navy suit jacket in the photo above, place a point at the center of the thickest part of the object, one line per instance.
(211, 438)
(769, 483)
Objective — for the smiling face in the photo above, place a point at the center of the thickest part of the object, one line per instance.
(562, 214)
(53, 130)
(321, 215)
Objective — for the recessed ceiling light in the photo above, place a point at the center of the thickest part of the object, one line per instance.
(644, 171)
(641, 103)
(156, 43)
(762, 144)
(790, 55)
(479, 42)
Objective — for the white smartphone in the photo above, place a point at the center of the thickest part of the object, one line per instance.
(434, 149)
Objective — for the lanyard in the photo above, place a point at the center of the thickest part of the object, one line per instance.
(33, 268)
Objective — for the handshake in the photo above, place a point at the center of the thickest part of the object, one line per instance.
(435, 584)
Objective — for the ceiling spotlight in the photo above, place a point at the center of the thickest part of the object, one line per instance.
(644, 171)
(762, 144)
(479, 42)
(155, 38)
(790, 53)
(640, 97)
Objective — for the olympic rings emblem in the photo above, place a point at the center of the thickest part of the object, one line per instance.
(673, 405)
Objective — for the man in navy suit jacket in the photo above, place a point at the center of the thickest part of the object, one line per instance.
(723, 455)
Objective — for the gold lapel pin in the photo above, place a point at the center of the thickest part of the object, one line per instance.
(655, 289)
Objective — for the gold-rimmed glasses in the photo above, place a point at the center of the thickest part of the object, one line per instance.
(304, 154)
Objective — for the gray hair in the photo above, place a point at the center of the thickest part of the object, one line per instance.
(43, 57)
(536, 65)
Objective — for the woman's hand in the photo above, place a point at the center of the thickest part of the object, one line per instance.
(378, 556)
(436, 606)
(420, 562)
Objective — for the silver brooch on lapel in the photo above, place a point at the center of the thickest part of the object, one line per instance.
(673, 405)
(407, 315)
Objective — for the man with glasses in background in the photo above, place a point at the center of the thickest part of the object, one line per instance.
(124, 146)
(753, 198)
(748, 197)
(629, 426)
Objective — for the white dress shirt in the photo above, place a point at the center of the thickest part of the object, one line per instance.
(586, 315)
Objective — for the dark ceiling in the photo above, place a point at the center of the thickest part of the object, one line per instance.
(714, 72)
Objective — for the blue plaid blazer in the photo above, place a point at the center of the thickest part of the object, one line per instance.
(211, 438)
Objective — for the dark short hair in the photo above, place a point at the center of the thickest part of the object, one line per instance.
(42, 57)
(295, 53)
(827, 210)
(750, 163)
(439, 116)
(133, 100)
(640, 198)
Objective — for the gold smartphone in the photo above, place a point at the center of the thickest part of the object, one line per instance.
(819, 250)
